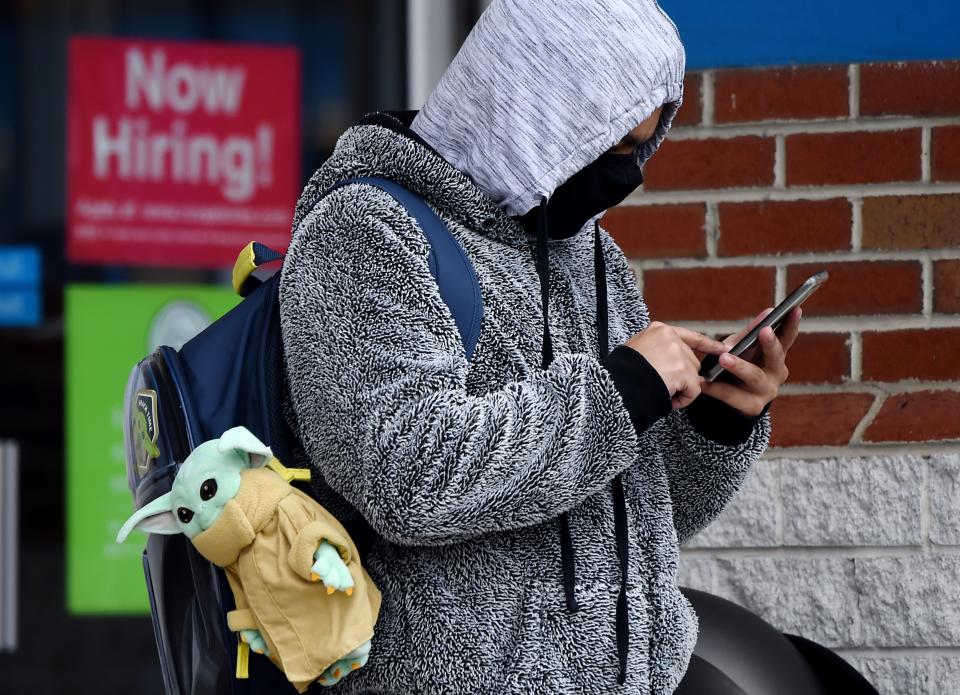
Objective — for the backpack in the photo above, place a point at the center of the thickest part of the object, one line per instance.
(232, 374)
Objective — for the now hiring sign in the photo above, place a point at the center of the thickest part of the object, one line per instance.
(180, 153)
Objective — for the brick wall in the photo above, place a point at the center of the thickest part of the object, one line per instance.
(770, 175)
(848, 530)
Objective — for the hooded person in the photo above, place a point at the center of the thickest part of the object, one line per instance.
(528, 503)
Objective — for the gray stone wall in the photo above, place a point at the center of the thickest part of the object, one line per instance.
(859, 554)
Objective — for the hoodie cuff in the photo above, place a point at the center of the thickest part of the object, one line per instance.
(721, 423)
(644, 394)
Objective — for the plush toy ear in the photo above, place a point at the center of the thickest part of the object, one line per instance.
(154, 517)
(242, 440)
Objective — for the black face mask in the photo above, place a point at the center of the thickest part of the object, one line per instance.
(600, 185)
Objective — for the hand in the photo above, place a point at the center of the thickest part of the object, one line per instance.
(330, 568)
(255, 640)
(345, 664)
(670, 351)
(759, 383)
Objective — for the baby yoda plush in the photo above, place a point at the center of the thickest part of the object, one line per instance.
(277, 545)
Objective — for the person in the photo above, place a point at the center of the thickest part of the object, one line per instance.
(527, 504)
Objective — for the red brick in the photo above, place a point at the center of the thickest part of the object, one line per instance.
(713, 163)
(857, 157)
(818, 358)
(769, 94)
(784, 226)
(862, 287)
(912, 354)
(813, 419)
(708, 293)
(911, 222)
(658, 231)
(946, 286)
(945, 153)
(921, 416)
(692, 107)
(910, 89)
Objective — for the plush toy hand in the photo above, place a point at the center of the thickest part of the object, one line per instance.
(330, 568)
(255, 640)
(350, 662)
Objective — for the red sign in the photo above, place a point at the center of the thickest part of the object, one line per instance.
(179, 154)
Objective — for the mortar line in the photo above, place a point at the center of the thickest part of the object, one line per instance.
(862, 450)
(712, 229)
(781, 284)
(768, 129)
(707, 92)
(925, 505)
(925, 154)
(780, 519)
(825, 192)
(838, 324)
(856, 356)
(858, 597)
(878, 398)
(853, 89)
(856, 228)
(779, 162)
(766, 260)
(846, 552)
(872, 651)
(926, 270)
(887, 388)
(639, 273)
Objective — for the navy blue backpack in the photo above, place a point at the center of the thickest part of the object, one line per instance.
(232, 374)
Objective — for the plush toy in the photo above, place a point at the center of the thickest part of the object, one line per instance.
(277, 546)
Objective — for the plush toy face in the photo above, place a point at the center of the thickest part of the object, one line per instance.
(206, 481)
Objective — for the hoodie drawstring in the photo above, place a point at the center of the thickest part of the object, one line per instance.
(543, 270)
(619, 497)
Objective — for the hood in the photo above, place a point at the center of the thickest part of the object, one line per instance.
(541, 89)
(382, 144)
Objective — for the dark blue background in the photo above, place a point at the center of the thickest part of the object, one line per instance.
(783, 32)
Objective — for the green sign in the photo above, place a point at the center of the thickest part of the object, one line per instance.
(108, 330)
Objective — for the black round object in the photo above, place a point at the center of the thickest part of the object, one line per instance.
(837, 676)
(753, 657)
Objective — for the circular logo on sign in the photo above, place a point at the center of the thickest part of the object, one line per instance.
(176, 323)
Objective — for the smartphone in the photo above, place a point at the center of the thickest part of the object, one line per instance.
(749, 345)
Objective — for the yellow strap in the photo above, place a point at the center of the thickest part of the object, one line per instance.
(289, 474)
(245, 264)
(243, 659)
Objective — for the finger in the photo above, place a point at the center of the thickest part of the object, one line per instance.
(735, 338)
(699, 341)
(773, 353)
(753, 377)
(734, 396)
(791, 328)
(691, 358)
(686, 394)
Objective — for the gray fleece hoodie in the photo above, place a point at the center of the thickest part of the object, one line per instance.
(527, 510)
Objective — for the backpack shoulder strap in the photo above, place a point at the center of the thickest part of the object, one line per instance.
(451, 267)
